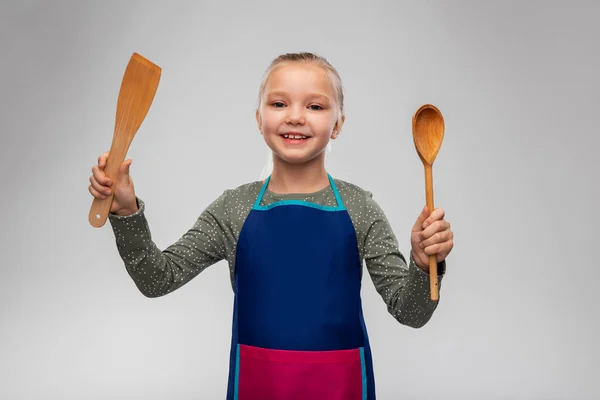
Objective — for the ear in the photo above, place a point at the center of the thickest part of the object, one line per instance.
(337, 128)
(258, 121)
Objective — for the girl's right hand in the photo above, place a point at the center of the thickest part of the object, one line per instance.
(124, 200)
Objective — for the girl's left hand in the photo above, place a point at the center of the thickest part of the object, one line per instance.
(431, 234)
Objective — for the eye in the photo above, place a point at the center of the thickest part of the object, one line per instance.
(277, 104)
(315, 107)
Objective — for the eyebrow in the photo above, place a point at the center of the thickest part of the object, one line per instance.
(281, 93)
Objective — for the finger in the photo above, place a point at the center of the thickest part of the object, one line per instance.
(125, 166)
(124, 171)
(96, 194)
(102, 159)
(436, 215)
(440, 249)
(99, 187)
(100, 176)
(434, 249)
(439, 237)
(436, 226)
(418, 226)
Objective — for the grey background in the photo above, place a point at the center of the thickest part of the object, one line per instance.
(517, 83)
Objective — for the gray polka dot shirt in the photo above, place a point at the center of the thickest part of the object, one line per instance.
(403, 286)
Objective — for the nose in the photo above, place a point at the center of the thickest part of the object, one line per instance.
(295, 116)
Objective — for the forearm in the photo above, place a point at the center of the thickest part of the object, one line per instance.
(410, 299)
(155, 272)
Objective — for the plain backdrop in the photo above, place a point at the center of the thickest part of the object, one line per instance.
(516, 81)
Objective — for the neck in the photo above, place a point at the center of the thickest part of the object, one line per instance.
(307, 177)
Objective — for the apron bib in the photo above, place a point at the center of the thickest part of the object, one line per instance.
(298, 328)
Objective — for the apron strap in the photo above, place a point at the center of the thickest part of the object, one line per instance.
(261, 193)
(338, 198)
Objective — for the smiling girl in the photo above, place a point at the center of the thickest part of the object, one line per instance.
(295, 244)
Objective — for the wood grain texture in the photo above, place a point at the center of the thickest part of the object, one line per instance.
(428, 133)
(136, 94)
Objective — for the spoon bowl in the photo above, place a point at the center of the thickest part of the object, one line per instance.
(428, 133)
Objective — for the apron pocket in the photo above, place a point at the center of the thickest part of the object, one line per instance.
(265, 374)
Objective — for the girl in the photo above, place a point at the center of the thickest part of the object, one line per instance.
(295, 245)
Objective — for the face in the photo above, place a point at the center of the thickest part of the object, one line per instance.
(298, 113)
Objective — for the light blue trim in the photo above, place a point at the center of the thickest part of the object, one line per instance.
(340, 205)
(298, 203)
(237, 373)
(261, 194)
(338, 198)
(364, 373)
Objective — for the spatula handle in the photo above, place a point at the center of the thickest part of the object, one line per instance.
(433, 276)
(101, 207)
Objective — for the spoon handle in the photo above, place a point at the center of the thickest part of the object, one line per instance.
(433, 276)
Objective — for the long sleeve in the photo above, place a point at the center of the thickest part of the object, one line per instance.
(403, 286)
(157, 273)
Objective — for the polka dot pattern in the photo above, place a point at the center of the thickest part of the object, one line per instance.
(403, 286)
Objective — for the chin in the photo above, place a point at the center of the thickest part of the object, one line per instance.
(299, 153)
(298, 158)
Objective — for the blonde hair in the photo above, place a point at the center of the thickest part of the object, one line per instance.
(303, 57)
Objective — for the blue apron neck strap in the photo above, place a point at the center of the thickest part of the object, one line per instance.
(262, 192)
(338, 198)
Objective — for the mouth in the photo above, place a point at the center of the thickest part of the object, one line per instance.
(293, 137)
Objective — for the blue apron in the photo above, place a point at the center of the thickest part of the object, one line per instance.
(298, 327)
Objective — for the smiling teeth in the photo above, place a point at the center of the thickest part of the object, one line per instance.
(294, 137)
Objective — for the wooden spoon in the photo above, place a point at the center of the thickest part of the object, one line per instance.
(428, 133)
(136, 94)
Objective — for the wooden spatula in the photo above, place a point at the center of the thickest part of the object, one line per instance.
(428, 133)
(138, 87)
